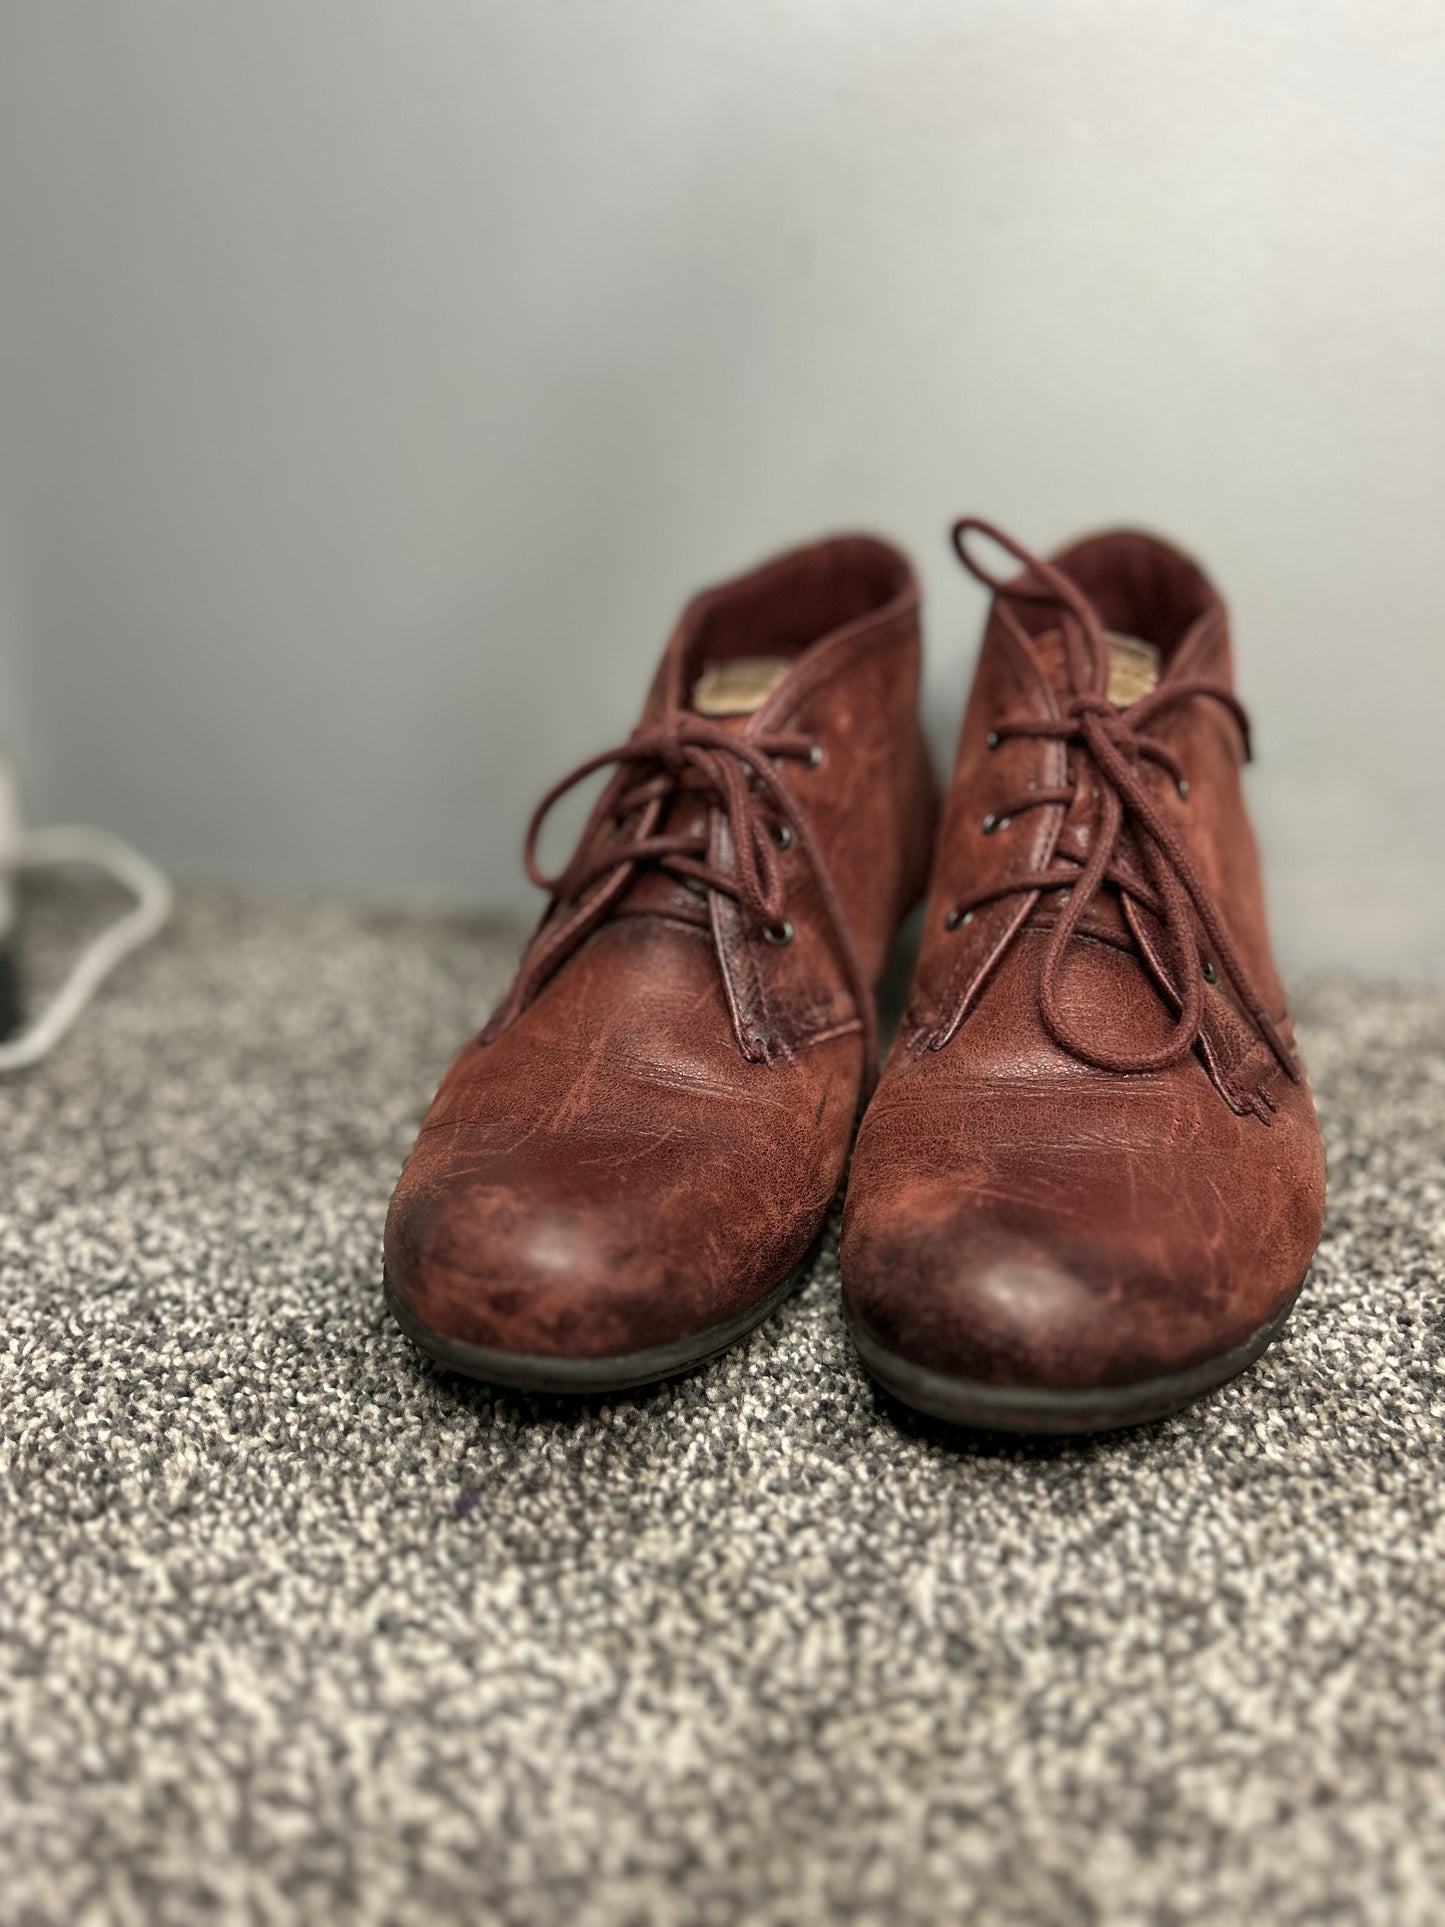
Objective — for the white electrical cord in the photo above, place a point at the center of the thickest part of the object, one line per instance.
(47, 849)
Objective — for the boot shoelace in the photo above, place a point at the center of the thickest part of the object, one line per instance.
(1114, 741)
(625, 831)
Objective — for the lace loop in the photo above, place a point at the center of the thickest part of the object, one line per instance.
(1117, 749)
(686, 753)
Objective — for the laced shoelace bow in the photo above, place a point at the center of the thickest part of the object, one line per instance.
(625, 833)
(1115, 742)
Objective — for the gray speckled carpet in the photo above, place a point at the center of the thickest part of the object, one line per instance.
(293, 1628)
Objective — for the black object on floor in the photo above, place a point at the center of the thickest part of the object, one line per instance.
(11, 1012)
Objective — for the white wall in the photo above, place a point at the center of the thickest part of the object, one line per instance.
(376, 379)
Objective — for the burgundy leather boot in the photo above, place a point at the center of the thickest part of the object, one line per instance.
(1091, 1180)
(628, 1168)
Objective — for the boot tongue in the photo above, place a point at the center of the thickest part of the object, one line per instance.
(738, 687)
(728, 692)
(1134, 670)
(1134, 666)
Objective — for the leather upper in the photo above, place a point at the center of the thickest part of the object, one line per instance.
(1017, 1215)
(648, 1134)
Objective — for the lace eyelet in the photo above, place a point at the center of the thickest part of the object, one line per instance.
(992, 740)
(783, 836)
(815, 756)
(1211, 975)
(1183, 788)
(991, 823)
(957, 917)
(779, 934)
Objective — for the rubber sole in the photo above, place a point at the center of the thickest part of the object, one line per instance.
(1110, 1408)
(624, 1372)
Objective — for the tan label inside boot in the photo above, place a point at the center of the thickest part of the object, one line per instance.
(1133, 669)
(739, 686)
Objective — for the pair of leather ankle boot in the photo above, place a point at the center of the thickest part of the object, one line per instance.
(1088, 1181)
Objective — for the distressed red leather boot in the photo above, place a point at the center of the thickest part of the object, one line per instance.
(629, 1166)
(1091, 1180)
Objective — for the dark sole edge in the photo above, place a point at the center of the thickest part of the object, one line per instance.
(625, 1372)
(995, 1408)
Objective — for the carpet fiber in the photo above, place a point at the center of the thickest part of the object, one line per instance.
(295, 1628)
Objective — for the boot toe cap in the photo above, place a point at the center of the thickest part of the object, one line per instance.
(1018, 1312)
(533, 1275)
